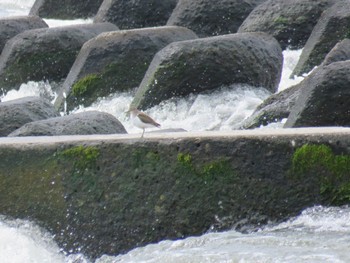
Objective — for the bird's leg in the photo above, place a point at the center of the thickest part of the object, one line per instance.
(143, 132)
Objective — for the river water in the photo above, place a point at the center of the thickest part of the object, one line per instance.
(319, 234)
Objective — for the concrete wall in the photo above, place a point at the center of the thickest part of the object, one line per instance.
(107, 194)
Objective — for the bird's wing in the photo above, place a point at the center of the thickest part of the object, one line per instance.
(147, 119)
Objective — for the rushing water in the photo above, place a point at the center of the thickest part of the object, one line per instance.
(319, 234)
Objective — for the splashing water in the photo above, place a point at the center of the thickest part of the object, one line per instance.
(318, 234)
(22, 241)
(15, 7)
(290, 60)
(32, 88)
(223, 109)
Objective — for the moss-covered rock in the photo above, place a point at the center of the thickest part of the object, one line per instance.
(115, 62)
(206, 64)
(107, 195)
(44, 54)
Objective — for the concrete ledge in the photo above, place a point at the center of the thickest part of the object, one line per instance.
(106, 194)
(258, 133)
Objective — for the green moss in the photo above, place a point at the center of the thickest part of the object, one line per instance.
(185, 160)
(86, 85)
(281, 20)
(83, 157)
(333, 170)
(308, 157)
(215, 169)
(207, 171)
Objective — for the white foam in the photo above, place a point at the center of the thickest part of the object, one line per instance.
(32, 88)
(223, 109)
(58, 23)
(22, 241)
(15, 7)
(298, 240)
(290, 60)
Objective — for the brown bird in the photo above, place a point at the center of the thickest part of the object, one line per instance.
(142, 120)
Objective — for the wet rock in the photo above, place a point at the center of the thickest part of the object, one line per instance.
(274, 109)
(67, 9)
(278, 106)
(194, 66)
(208, 19)
(340, 52)
(91, 192)
(44, 54)
(11, 26)
(290, 22)
(90, 122)
(115, 61)
(324, 98)
(16, 113)
(332, 27)
(135, 13)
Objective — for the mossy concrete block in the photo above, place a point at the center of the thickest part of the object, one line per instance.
(67, 9)
(290, 22)
(340, 52)
(135, 13)
(46, 53)
(208, 19)
(109, 194)
(324, 98)
(332, 27)
(115, 61)
(11, 26)
(206, 64)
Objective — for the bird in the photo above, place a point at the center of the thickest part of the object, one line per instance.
(142, 120)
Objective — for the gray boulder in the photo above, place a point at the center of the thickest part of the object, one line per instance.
(135, 13)
(46, 53)
(115, 61)
(324, 98)
(194, 66)
(16, 113)
(290, 22)
(273, 109)
(67, 9)
(208, 19)
(332, 27)
(11, 26)
(340, 52)
(90, 122)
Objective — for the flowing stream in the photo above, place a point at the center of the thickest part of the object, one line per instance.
(319, 234)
